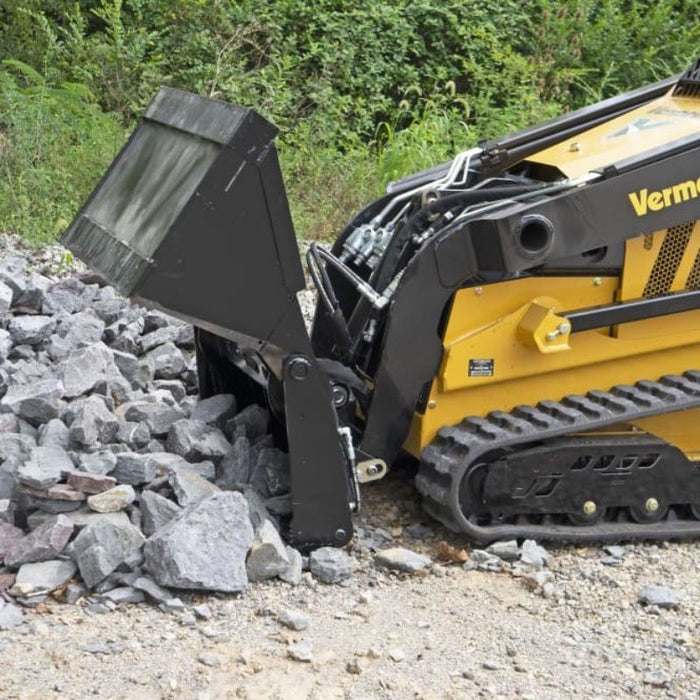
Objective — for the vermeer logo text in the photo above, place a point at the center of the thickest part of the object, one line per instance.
(645, 201)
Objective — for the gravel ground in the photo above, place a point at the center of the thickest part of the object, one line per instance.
(575, 626)
(449, 633)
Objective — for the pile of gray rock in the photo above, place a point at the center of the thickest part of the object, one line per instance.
(115, 480)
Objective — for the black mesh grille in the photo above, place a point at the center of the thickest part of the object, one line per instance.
(669, 258)
(694, 276)
(689, 83)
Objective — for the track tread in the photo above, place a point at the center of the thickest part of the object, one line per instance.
(456, 448)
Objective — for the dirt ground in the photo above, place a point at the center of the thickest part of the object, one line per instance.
(449, 633)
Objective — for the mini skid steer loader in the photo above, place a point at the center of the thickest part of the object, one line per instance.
(524, 320)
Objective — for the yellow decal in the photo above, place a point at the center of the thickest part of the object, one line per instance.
(645, 201)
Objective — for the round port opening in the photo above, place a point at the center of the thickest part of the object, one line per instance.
(534, 235)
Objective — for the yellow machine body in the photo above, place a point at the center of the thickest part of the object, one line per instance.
(667, 119)
(507, 344)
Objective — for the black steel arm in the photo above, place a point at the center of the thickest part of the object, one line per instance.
(636, 310)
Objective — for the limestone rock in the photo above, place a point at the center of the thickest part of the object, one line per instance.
(44, 467)
(533, 555)
(54, 434)
(234, 470)
(112, 500)
(160, 336)
(204, 547)
(80, 329)
(507, 550)
(660, 596)
(134, 468)
(293, 573)
(215, 410)
(168, 360)
(37, 403)
(5, 298)
(65, 296)
(331, 565)
(156, 511)
(43, 577)
(301, 651)
(268, 556)
(157, 416)
(11, 616)
(401, 559)
(152, 589)
(91, 422)
(483, 561)
(30, 330)
(190, 487)
(44, 542)
(12, 272)
(30, 299)
(123, 595)
(293, 619)
(195, 440)
(83, 369)
(99, 463)
(134, 435)
(252, 422)
(102, 546)
(85, 516)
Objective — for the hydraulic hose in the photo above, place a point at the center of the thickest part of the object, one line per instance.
(397, 249)
(417, 222)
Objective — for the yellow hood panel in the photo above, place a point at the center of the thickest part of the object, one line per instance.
(657, 123)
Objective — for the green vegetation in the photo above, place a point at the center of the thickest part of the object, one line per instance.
(362, 92)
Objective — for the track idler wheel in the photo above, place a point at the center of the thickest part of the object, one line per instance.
(651, 512)
(471, 500)
(590, 514)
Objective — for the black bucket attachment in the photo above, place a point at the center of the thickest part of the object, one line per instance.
(192, 218)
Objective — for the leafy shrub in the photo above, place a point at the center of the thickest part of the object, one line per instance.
(591, 49)
(362, 93)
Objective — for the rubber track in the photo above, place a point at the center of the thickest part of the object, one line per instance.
(455, 449)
